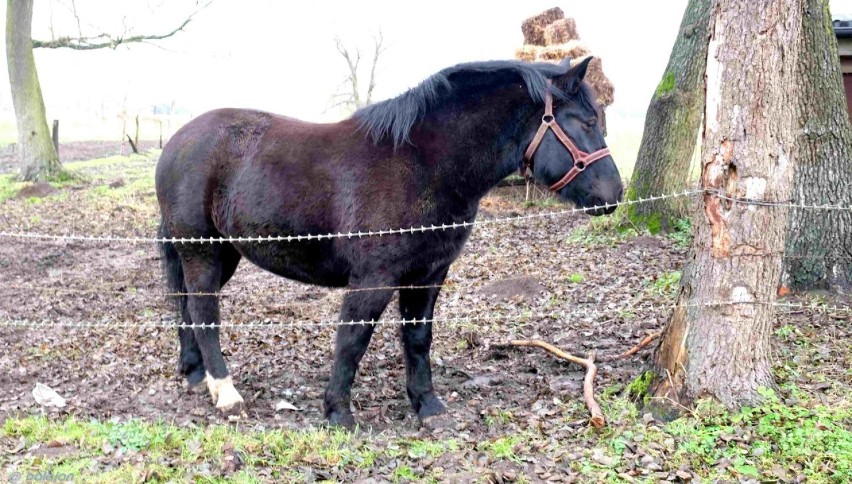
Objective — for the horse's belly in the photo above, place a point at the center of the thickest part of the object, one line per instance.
(309, 262)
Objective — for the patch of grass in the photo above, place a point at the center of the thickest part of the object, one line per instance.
(812, 440)
(419, 449)
(502, 448)
(9, 187)
(666, 283)
(638, 389)
(681, 232)
(712, 443)
(574, 278)
(404, 473)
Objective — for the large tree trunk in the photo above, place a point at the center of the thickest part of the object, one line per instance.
(749, 150)
(820, 242)
(672, 123)
(35, 148)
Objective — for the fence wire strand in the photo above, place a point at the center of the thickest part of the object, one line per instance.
(410, 230)
(270, 324)
(334, 235)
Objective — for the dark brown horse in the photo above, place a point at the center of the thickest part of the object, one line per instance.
(425, 157)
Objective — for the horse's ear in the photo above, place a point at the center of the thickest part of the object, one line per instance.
(571, 80)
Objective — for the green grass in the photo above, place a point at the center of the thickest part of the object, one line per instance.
(681, 232)
(667, 283)
(9, 187)
(574, 278)
(806, 439)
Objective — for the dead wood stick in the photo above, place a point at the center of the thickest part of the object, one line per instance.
(640, 345)
(597, 420)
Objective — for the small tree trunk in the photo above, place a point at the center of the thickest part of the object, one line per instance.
(35, 147)
(136, 136)
(749, 150)
(54, 134)
(672, 122)
(820, 241)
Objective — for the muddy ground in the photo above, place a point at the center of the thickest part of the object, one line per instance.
(522, 272)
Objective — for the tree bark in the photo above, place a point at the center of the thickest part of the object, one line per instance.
(672, 123)
(35, 147)
(749, 150)
(820, 241)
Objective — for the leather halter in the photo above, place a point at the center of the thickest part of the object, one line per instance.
(582, 160)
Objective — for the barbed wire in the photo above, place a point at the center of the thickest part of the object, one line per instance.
(7, 289)
(525, 315)
(335, 235)
(410, 230)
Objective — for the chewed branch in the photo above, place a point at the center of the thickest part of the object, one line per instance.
(597, 419)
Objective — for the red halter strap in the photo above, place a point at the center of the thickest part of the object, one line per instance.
(582, 160)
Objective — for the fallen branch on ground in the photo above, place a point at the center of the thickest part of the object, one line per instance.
(597, 420)
(640, 345)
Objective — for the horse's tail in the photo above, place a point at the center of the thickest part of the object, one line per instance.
(173, 270)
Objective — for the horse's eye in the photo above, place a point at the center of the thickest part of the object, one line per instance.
(591, 122)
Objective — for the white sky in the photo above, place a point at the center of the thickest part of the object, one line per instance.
(280, 56)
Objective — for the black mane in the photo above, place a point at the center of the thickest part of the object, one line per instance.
(394, 118)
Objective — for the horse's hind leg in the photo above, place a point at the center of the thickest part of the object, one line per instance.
(350, 345)
(203, 268)
(191, 363)
(417, 341)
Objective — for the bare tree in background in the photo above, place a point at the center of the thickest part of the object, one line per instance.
(38, 156)
(349, 95)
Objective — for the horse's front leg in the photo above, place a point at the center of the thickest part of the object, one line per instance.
(350, 345)
(417, 341)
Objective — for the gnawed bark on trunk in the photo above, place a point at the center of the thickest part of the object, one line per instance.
(671, 124)
(35, 147)
(820, 241)
(749, 150)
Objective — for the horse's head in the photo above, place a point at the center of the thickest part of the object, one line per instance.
(568, 152)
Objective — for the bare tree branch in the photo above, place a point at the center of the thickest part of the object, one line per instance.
(77, 17)
(352, 95)
(376, 53)
(355, 95)
(102, 41)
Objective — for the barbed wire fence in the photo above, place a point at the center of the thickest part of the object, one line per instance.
(267, 324)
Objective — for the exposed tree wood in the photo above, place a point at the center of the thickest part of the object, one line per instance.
(597, 419)
(824, 169)
(749, 150)
(672, 122)
(35, 150)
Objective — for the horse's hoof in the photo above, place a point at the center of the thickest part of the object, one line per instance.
(232, 410)
(438, 422)
(341, 419)
(196, 376)
(225, 396)
(430, 405)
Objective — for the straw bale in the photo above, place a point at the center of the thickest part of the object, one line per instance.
(560, 32)
(533, 27)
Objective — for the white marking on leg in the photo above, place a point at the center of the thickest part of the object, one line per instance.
(225, 396)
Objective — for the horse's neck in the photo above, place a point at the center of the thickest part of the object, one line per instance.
(495, 153)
